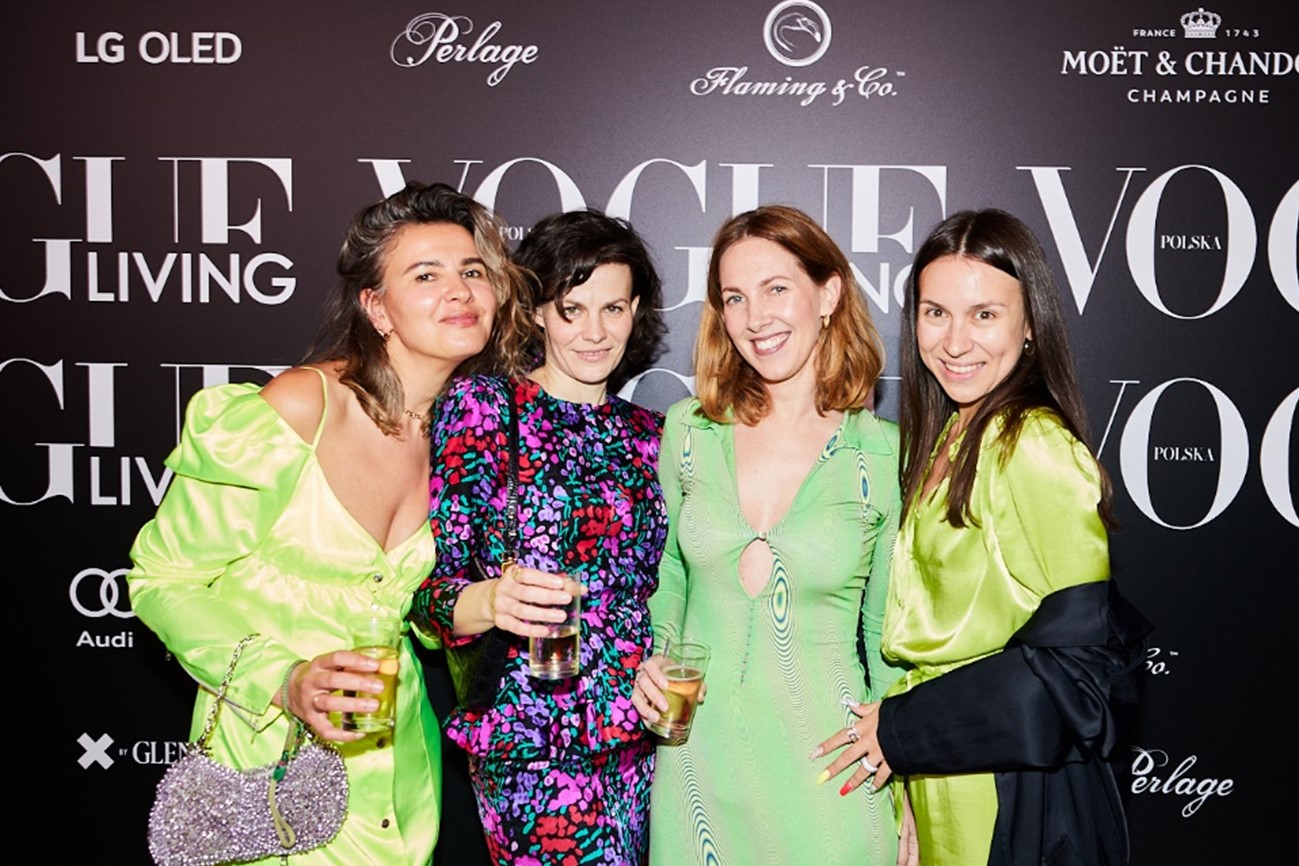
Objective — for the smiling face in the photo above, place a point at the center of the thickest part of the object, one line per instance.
(772, 310)
(971, 326)
(586, 343)
(435, 301)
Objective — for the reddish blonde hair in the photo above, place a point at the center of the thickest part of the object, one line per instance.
(849, 355)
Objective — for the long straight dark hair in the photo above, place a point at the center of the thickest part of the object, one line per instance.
(1043, 378)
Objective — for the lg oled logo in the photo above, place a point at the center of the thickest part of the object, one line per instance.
(154, 47)
(797, 33)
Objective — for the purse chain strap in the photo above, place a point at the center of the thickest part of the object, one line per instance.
(202, 742)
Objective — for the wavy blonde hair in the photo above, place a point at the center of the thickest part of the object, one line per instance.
(849, 354)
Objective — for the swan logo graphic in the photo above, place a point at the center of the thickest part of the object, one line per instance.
(797, 32)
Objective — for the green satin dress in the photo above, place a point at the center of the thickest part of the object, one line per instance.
(250, 538)
(741, 791)
(957, 595)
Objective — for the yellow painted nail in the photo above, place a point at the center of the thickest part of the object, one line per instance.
(823, 778)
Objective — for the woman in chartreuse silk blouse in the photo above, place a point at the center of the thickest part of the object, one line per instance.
(304, 503)
(958, 594)
(1005, 507)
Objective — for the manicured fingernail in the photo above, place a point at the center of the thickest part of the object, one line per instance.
(823, 778)
(844, 791)
(816, 753)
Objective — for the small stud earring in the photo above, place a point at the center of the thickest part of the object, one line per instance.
(825, 321)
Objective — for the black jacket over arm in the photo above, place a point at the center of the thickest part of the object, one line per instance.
(1041, 716)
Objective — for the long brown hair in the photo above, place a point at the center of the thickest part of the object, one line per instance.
(849, 357)
(1043, 378)
(346, 333)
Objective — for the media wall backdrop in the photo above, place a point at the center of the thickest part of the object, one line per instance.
(175, 178)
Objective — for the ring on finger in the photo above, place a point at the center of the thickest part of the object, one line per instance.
(851, 733)
(868, 766)
(315, 701)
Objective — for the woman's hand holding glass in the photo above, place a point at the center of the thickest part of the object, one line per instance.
(525, 598)
(334, 682)
(647, 694)
(649, 689)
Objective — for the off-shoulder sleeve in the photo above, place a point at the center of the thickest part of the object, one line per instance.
(886, 500)
(468, 441)
(668, 603)
(1047, 526)
(235, 469)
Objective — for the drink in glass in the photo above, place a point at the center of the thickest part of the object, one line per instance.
(684, 664)
(375, 637)
(558, 654)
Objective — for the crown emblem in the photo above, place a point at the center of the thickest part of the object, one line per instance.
(1200, 24)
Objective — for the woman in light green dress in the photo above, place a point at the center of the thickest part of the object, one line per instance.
(783, 503)
(1004, 533)
(300, 504)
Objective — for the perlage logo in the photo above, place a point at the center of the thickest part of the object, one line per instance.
(110, 594)
(96, 751)
(435, 36)
(797, 32)
(1200, 24)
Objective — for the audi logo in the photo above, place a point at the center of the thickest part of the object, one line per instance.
(112, 600)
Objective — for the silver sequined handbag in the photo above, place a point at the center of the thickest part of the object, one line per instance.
(206, 813)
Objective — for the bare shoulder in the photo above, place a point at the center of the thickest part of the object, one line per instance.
(297, 396)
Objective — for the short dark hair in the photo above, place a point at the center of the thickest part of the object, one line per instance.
(563, 250)
(346, 333)
(1042, 378)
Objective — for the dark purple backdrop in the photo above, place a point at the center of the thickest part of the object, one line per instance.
(176, 178)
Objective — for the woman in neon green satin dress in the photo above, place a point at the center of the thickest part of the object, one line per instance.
(1005, 505)
(300, 504)
(783, 502)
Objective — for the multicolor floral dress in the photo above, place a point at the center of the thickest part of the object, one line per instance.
(561, 770)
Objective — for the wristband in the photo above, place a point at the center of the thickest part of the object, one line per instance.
(284, 687)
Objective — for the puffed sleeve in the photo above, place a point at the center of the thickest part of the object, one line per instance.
(886, 502)
(1048, 530)
(668, 603)
(466, 496)
(235, 469)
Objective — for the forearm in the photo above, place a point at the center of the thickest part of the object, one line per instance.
(989, 716)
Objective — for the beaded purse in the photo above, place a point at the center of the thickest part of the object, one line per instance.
(206, 813)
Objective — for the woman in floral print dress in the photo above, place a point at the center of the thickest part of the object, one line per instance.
(561, 769)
